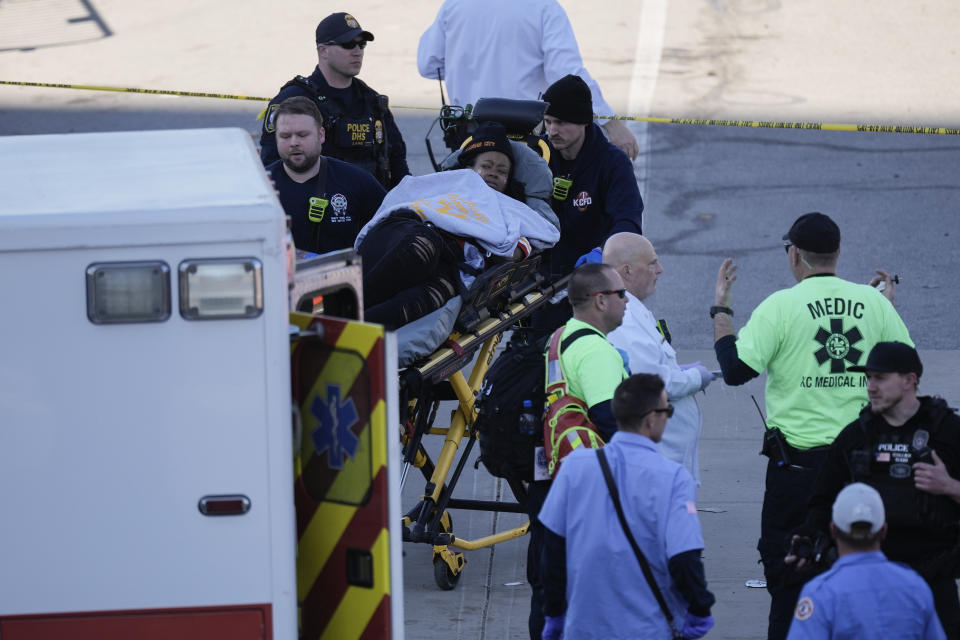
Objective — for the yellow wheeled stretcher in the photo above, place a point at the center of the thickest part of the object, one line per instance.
(497, 302)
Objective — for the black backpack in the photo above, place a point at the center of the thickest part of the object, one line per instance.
(517, 375)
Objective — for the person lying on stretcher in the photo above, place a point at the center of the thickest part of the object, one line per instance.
(433, 233)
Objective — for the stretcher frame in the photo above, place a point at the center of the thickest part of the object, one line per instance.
(504, 297)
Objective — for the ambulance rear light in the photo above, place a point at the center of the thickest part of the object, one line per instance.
(125, 292)
(216, 289)
(235, 505)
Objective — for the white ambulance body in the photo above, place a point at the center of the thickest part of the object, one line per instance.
(145, 435)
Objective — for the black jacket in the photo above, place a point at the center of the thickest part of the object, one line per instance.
(602, 199)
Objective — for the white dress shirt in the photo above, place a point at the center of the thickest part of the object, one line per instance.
(503, 49)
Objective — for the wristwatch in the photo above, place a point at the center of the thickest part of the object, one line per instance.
(718, 309)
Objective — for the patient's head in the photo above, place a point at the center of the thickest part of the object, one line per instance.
(489, 154)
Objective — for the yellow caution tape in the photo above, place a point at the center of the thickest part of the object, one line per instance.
(163, 92)
(813, 126)
(818, 126)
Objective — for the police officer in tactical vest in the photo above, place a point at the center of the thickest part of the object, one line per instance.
(359, 127)
(907, 447)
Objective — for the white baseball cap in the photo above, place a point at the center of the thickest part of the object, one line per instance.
(858, 502)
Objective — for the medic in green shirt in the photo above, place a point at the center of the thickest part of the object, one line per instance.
(805, 338)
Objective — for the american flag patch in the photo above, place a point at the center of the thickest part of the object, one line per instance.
(691, 508)
(883, 456)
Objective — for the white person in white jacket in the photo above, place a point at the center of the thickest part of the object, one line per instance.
(648, 351)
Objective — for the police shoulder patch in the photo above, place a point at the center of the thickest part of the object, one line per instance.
(804, 609)
(270, 119)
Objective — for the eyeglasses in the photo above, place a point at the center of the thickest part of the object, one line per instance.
(350, 45)
(786, 245)
(620, 292)
(667, 410)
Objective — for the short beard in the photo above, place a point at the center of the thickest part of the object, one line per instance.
(309, 160)
(880, 411)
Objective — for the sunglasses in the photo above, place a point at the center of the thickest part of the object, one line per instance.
(620, 292)
(350, 45)
(786, 245)
(667, 410)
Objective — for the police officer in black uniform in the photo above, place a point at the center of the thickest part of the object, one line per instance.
(328, 200)
(359, 127)
(907, 447)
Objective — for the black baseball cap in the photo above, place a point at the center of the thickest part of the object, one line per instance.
(814, 232)
(892, 357)
(340, 27)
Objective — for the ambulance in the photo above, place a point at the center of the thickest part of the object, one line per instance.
(193, 429)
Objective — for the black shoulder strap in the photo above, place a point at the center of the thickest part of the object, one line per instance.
(329, 108)
(644, 565)
(573, 337)
(321, 192)
(303, 81)
(322, 178)
(378, 101)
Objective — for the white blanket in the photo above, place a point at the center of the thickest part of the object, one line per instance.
(461, 203)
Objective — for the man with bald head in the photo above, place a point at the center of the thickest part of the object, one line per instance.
(649, 351)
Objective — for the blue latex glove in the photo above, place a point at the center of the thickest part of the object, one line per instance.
(595, 255)
(553, 627)
(695, 626)
(684, 367)
(706, 377)
(625, 357)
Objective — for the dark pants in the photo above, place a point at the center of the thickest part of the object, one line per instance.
(536, 495)
(409, 270)
(947, 604)
(784, 509)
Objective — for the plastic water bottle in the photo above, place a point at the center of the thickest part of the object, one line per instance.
(528, 422)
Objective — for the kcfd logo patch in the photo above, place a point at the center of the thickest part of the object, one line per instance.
(836, 346)
(582, 201)
(339, 204)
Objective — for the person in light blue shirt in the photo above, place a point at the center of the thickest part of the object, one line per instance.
(864, 596)
(594, 585)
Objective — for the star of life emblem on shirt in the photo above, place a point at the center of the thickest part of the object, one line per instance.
(836, 346)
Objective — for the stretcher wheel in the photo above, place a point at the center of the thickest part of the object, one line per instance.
(444, 576)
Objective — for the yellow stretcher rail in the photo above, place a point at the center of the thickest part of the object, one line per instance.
(753, 124)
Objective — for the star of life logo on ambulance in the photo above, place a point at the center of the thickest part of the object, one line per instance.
(582, 201)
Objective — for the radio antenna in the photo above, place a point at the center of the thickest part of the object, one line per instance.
(443, 100)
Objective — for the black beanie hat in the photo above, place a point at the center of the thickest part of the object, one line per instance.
(489, 136)
(570, 100)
